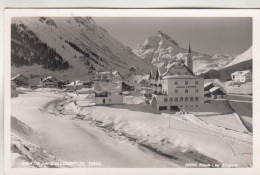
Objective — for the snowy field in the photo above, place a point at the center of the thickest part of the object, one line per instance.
(68, 127)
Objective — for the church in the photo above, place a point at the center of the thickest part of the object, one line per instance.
(178, 87)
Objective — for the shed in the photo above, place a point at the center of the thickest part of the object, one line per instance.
(217, 93)
(49, 82)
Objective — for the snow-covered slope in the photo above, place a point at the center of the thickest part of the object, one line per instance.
(80, 42)
(245, 56)
(161, 49)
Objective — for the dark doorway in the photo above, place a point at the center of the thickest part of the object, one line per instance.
(174, 108)
(162, 108)
(104, 100)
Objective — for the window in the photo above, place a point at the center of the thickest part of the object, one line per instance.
(186, 91)
(191, 98)
(196, 105)
(120, 93)
(110, 100)
(196, 90)
(186, 82)
(196, 82)
(176, 99)
(176, 83)
(165, 99)
(171, 99)
(196, 98)
(186, 98)
(181, 98)
(176, 90)
(109, 93)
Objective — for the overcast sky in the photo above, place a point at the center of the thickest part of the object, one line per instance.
(207, 35)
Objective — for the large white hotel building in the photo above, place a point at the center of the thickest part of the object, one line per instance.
(178, 87)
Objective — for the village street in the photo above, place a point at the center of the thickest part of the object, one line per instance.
(69, 142)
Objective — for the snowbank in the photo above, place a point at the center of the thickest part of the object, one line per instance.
(43, 111)
(182, 136)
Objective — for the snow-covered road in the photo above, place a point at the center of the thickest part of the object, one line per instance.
(61, 124)
(69, 142)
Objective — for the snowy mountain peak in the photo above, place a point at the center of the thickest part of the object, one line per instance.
(161, 50)
(158, 49)
(167, 37)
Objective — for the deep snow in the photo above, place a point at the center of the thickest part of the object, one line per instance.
(62, 124)
(69, 142)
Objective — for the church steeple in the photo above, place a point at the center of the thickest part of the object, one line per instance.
(189, 48)
(189, 60)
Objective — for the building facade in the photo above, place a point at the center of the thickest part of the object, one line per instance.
(178, 87)
(242, 76)
(108, 98)
(179, 91)
(108, 92)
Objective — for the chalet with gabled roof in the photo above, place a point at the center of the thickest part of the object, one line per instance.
(20, 80)
(49, 82)
(242, 76)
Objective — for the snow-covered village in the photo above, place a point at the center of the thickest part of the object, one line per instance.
(80, 97)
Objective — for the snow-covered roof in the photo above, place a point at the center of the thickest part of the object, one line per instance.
(213, 89)
(17, 76)
(207, 84)
(172, 65)
(216, 91)
(132, 83)
(107, 86)
(241, 72)
(49, 78)
(117, 72)
(145, 80)
(75, 83)
(133, 67)
(181, 77)
(114, 72)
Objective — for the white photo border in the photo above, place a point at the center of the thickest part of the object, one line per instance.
(254, 13)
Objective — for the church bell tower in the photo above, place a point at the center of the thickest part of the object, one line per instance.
(189, 60)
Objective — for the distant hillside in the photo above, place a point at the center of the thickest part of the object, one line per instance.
(240, 63)
(245, 65)
(68, 48)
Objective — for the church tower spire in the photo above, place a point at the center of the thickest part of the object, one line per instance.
(189, 60)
